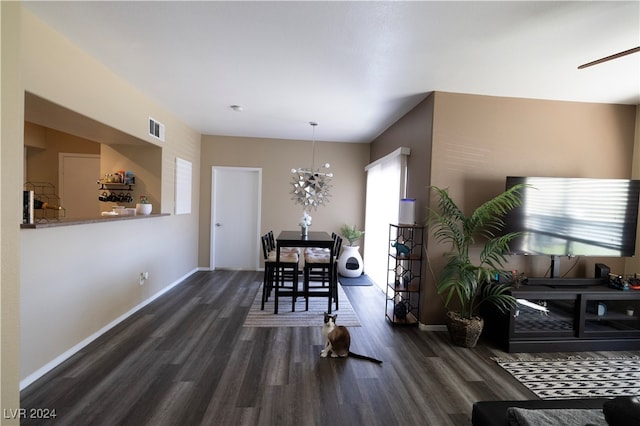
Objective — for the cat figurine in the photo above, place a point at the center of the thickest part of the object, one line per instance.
(338, 340)
(401, 249)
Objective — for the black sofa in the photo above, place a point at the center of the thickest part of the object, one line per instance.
(494, 413)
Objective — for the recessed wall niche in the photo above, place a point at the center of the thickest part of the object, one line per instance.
(52, 132)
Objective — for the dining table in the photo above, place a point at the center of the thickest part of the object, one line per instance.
(319, 239)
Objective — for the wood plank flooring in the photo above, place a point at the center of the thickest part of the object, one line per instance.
(185, 359)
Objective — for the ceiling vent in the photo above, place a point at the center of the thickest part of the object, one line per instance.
(156, 129)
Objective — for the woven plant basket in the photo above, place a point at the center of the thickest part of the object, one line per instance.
(464, 332)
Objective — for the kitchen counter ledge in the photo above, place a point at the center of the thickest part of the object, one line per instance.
(101, 219)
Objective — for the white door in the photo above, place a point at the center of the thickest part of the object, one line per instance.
(235, 217)
(77, 177)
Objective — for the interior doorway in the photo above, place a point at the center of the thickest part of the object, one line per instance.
(236, 194)
(77, 189)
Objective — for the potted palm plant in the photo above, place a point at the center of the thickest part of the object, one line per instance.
(350, 262)
(462, 279)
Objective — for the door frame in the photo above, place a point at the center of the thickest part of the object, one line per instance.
(212, 245)
(61, 157)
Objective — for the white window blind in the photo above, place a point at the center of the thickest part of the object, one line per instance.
(386, 185)
(183, 186)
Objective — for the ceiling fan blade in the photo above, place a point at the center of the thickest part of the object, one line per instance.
(608, 58)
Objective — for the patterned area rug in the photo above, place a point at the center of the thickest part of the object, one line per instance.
(577, 378)
(300, 318)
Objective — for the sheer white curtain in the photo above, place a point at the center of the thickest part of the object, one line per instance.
(386, 185)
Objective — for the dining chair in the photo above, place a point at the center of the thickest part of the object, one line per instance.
(272, 245)
(287, 271)
(318, 268)
(320, 250)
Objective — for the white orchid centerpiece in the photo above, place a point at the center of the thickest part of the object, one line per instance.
(305, 220)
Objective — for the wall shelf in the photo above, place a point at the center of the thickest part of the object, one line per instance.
(114, 192)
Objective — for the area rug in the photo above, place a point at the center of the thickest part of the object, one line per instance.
(300, 318)
(576, 377)
(361, 280)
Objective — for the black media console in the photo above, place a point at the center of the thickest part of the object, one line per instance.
(551, 317)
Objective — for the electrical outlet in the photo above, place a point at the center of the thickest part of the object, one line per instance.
(141, 279)
(146, 275)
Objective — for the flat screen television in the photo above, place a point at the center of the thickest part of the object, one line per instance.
(575, 217)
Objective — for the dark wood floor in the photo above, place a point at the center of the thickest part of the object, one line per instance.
(185, 359)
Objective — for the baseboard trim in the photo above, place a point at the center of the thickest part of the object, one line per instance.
(432, 327)
(75, 349)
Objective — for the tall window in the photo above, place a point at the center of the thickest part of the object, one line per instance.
(386, 185)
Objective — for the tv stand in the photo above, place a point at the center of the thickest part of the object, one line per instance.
(566, 282)
(591, 318)
(555, 266)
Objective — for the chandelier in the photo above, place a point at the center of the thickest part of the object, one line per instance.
(310, 187)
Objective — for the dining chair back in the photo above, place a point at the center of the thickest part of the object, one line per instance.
(286, 271)
(320, 273)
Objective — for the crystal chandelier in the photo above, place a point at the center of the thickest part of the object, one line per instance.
(311, 186)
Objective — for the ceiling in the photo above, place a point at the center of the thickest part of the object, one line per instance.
(354, 67)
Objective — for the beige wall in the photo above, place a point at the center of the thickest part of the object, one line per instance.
(479, 140)
(632, 264)
(144, 161)
(61, 73)
(35, 136)
(11, 172)
(276, 158)
(413, 130)
(44, 145)
(75, 281)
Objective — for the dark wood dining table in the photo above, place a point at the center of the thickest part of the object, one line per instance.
(296, 239)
